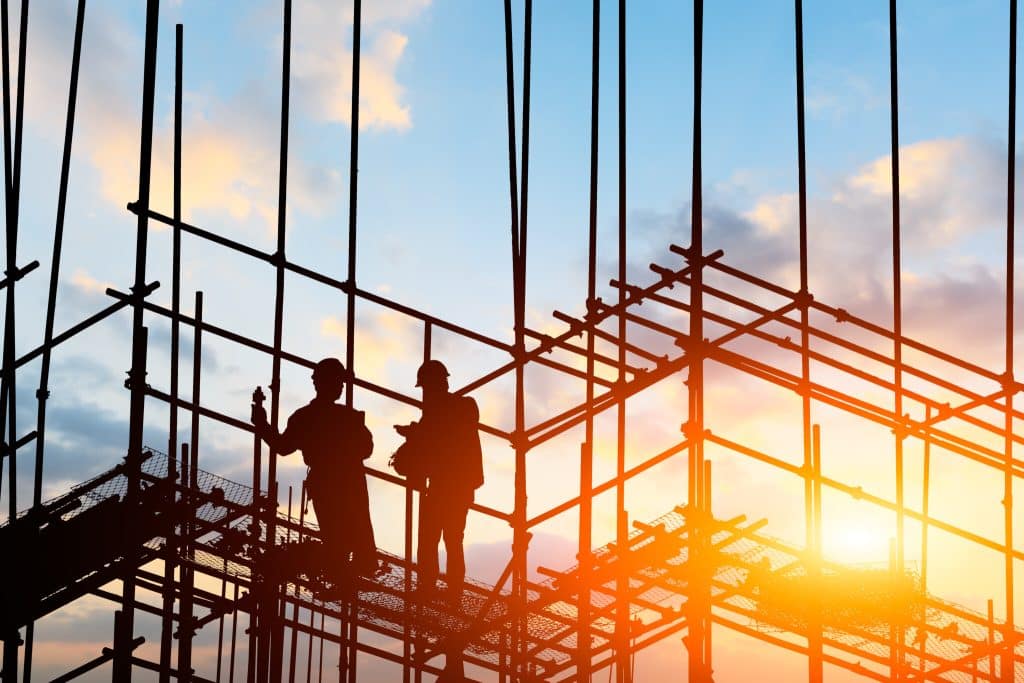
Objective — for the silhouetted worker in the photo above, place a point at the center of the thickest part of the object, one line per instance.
(334, 442)
(447, 435)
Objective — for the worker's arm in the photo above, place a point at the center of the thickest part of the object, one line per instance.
(285, 443)
(472, 412)
(364, 438)
(474, 464)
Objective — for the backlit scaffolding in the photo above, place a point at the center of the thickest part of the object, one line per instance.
(168, 529)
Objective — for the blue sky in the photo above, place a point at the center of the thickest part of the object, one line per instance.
(434, 209)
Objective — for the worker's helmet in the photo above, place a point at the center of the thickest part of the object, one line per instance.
(431, 371)
(331, 370)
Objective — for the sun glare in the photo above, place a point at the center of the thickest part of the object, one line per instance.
(850, 542)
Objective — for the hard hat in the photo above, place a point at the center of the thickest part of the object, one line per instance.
(429, 371)
(330, 369)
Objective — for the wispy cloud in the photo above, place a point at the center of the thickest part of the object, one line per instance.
(322, 61)
(836, 94)
(220, 159)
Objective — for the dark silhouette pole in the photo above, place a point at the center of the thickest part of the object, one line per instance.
(122, 664)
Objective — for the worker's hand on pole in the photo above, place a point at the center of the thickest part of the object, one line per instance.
(407, 430)
(259, 413)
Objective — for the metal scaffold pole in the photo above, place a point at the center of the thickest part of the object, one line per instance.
(814, 662)
(272, 629)
(43, 392)
(228, 552)
(186, 628)
(350, 624)
(698, 610)
(166, 626)
(8, 388)
(519, 440)
(587, 447)
(896, 666)
(1010, 637)
(125, 626)
(624, 659)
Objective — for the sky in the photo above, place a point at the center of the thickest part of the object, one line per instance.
(433, 226)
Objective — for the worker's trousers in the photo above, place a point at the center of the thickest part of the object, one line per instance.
(442, 515)
(343, 514)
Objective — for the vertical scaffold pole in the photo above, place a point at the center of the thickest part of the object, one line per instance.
(296, 612)
(234, 633)
(12, 144)
(409, 631)
(122, 663)
(698, 606)
(1010, 637)
(587, 449)
(896, 645)
(623, 658)
(187, 573)
(925, 496)
(8, 392)
(172, 428)
(274, 633)
(255, 587)
(12, 189)
(43, 393)
(220, 620)
(519, 442)
(350, 627)
(520, 342)
(58, 239)
(814, 661)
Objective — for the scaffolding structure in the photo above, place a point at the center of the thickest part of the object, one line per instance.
(684, 574)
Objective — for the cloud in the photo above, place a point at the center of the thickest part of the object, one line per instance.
(89, 285)
(229, 145)
(322, 63)
(837, 93)
(381, 339)
(230, 158)
(952, 202)
(949, 188)
(486, 561)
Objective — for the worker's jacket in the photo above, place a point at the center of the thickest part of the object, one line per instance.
(334, 442)
(448, 435)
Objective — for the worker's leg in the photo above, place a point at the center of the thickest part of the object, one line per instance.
(431, 514)
(364, 548)
(454, 529)
(333, 533)
(360, 530)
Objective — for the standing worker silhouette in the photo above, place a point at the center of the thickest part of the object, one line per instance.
(334, 442)
(448, 438)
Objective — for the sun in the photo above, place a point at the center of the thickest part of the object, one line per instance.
(855, 542)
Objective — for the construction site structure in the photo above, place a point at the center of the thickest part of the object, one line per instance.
(163, 529)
